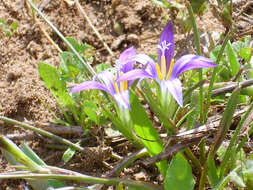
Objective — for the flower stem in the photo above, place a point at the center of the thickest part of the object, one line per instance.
(44, 133)
(197, 43)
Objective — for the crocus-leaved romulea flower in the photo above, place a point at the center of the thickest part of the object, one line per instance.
(167, 70)
(107, 81)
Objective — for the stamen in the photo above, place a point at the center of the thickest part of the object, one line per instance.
(158, 71)
(123, 86)
(163, 66)
(170, 69)
(116, 86)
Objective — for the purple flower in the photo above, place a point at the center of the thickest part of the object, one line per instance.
(108, 81)
(167, 70)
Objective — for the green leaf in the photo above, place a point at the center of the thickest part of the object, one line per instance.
(90, 109)
(236, 179)
(125, 130)
(68, 66)
(146, 131)
(246, 53)
(156, 108)
(102, 67)
(69, 153)
(179, 174)
(52, 81)
(78, 47)
(232, 58)
(198, 6)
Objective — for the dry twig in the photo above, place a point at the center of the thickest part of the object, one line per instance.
(93, 27)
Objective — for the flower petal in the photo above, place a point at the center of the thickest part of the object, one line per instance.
(175, 88)
(189, 62)
(107, 77)
(126, 54)
(133, 75)
(122, 99)
(168, 37)
(143, 59)
(125, 60)
(148, 62)
(89, 85)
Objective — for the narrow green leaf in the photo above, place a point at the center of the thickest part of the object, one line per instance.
(226, 121)
(179, 174)
(146, 131)
(232, 148)
(195, 106)
(222, 183)
(39, 184)
(212, 173)
(20, 157)
(232, 58)
(28, 151)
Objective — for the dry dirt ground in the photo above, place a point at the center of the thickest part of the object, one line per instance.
(23, 95)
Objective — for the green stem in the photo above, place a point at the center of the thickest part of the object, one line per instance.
(88, 67)
(85, 179)
(197, 43)
(203, 177)
(216, 69)
(128, 160)
(193, 158)
(202, 151)
(44, 133)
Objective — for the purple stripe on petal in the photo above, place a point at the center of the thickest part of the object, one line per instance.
(134, 74)
(167, 37)
(89, 85)
(189, 62)
(175, 88)
(122, 99)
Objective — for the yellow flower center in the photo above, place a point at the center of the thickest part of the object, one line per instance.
(121, 87)
(161, 71)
